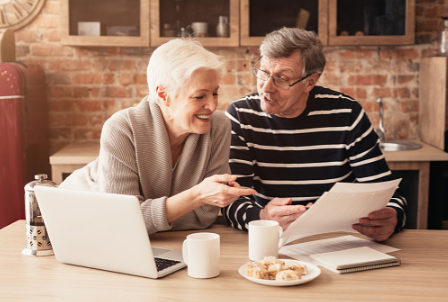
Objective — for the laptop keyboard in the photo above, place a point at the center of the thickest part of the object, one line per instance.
(162, 263)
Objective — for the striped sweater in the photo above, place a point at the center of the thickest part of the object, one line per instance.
(301, 158)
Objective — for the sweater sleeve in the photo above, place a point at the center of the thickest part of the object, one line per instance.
(243, 210)
(115, 171)
(118, 171)
(368, 162)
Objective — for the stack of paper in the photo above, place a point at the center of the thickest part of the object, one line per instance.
(340, 208)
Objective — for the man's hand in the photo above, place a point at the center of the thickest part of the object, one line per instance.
(281, 210)
(379, 226)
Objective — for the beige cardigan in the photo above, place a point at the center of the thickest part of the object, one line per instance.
(135, 159)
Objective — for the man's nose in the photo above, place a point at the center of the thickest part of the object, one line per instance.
(269, 85)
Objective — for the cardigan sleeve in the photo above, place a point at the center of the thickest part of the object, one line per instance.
(115, 171)
(119, 173)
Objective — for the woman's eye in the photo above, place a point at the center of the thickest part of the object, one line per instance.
(215, 94)
(199, 97)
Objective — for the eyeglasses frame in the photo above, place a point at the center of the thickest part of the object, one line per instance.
(255, 70)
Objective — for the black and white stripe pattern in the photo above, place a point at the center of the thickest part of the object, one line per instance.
(300, 158)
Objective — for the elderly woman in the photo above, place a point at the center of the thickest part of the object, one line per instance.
(172, 150)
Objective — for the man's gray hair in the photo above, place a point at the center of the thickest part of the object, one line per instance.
(283, 42)
(172, 64)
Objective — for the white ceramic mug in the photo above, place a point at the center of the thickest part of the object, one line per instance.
(199, 29)
(201, 252)
(264, 236)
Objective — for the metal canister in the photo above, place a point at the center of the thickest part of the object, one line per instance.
(37, 240)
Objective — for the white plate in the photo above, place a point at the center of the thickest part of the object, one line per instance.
(313, 273)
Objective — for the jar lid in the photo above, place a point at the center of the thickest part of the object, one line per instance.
(41, 180)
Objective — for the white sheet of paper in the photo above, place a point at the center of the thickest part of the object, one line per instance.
(301, 251)
(339, 208)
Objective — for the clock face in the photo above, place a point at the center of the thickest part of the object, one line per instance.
(15, 14)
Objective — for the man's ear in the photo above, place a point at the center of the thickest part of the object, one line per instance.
(162, 95)
(312, 81)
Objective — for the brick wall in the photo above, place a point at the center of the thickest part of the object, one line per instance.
(88, 84)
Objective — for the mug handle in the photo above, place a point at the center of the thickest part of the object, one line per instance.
(185, 251)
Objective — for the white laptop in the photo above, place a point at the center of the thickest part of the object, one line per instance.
(103, 231)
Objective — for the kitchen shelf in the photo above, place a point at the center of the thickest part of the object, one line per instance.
(141, 23)
(367, 22)
(190, 11)
(337, 22)
(105, 22)
(259, 17)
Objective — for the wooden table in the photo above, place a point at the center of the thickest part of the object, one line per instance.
(72, 157)
(423, 275)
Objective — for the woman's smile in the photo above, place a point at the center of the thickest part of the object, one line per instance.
(204, 117)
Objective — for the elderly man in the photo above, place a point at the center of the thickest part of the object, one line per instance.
(293, 140)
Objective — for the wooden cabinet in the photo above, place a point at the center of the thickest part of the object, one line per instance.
(72, 157)
(105, 22)
(433, 107)
(169, 16)
(259, 17)
(371, 22)
(145, 23)
(337, 22)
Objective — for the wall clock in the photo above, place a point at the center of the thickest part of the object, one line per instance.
(15, 14)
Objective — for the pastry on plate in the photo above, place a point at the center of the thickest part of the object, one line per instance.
(288, 275)
(257, 272)
(271, 268)
(297, 267)
(271, 260)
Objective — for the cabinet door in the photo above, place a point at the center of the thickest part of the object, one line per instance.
(259, 17)
(105, 22)
(433, 106)
(371, 22)
(168, 17)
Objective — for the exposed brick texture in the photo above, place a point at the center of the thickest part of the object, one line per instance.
(86, 85)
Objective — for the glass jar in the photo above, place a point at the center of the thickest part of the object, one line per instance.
(37, 240)
(168, 30)
(222, 29)
(443, 37)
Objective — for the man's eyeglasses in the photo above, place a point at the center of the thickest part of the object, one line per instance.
(279, 82)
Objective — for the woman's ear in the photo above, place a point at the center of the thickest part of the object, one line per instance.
(162, 95)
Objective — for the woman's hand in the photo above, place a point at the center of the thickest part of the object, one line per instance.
(220, 190)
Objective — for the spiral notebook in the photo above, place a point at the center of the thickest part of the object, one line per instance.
(355, 260)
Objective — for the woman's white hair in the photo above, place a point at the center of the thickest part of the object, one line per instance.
(172, 64)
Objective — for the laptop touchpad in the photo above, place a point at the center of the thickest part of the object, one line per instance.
(157, 251)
